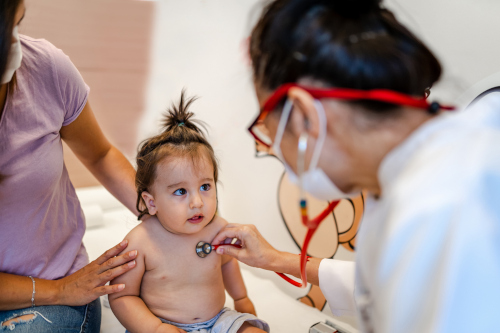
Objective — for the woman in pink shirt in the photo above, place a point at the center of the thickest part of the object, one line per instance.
(46, 282)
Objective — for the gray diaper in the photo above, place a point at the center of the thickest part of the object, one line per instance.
(227, 321)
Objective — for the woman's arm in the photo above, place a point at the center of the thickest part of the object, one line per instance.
(80, 288)
(257, 252)
(107, 164)
(334, 277)
(16, 292)
(233, 281)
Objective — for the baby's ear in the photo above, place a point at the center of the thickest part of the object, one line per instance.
(150, 202)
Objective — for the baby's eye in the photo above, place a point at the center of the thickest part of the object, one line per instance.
(180, 191)
(205, 187)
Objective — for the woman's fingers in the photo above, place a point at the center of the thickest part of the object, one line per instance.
(223, 235)
(111, 289)
(231, 251)
(88, 283)
(114, 251)
(110, 274)
(247, 236)
(233, 225)
(231, 231)
(117, 261)
(255, 250)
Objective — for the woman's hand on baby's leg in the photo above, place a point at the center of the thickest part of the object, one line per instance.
(244, 305)
(87, 284)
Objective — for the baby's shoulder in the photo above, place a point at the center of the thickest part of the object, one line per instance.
(144, 233)
(218, 223)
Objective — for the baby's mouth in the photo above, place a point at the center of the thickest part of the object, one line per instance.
(196, 219)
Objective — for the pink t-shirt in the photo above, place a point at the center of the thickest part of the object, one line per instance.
(41, 221)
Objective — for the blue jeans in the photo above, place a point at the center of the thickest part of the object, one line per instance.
(55, 319)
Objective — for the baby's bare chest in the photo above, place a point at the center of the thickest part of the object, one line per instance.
(174, 260)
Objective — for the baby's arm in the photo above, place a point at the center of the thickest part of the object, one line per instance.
(233, 281)
(128, 307)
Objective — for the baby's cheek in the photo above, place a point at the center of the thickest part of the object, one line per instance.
(177, 214)
(211, 204)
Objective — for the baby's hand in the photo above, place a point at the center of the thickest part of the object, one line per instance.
(244, 305)
(166, 328)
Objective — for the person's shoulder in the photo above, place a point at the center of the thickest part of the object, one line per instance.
(149, 224)
(451, 164)
(40, 42)
(38, 48)
(43, 60)
(219, 222)
(453, 176)
(148, 237)
(135, 234)
(41, 51)
(141, 232)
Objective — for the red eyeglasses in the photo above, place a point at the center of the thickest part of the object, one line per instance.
(261, 133)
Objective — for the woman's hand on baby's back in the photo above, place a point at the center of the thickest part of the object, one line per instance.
(88, 283)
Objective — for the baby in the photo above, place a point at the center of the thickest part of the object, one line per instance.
(172, 289)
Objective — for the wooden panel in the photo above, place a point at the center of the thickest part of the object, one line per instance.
(109, 42)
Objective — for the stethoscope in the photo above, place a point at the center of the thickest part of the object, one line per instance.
(203, 249)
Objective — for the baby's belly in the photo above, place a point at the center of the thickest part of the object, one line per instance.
(184, 302)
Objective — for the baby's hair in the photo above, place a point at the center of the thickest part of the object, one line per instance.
(181, 136)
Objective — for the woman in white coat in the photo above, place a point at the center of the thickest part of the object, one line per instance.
(341, 86)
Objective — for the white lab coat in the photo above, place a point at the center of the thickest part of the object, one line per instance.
(428, 250)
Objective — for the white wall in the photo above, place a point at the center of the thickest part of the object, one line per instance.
(464, 35)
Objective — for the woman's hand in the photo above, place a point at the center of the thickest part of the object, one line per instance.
(255, 250)
(87, 284)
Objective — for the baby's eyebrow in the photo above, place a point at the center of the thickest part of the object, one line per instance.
(207, 179)
(175, 185)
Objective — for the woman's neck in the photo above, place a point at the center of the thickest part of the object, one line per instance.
(395, 134)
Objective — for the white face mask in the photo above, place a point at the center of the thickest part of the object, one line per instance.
(314, 180)
(14, 60)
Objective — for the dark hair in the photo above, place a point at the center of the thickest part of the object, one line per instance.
(353, 44)
(8, 11)
(181, 136)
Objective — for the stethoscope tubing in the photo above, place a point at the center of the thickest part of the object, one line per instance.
(312, 227)
(203, 248)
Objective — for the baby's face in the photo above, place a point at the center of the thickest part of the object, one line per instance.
(183, 196)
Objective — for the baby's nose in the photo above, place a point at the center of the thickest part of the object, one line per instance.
(196, 202)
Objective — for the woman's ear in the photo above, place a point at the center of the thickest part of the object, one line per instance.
(305, 117)
(150, 202)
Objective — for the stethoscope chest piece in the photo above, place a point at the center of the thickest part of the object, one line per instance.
(203, 249)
